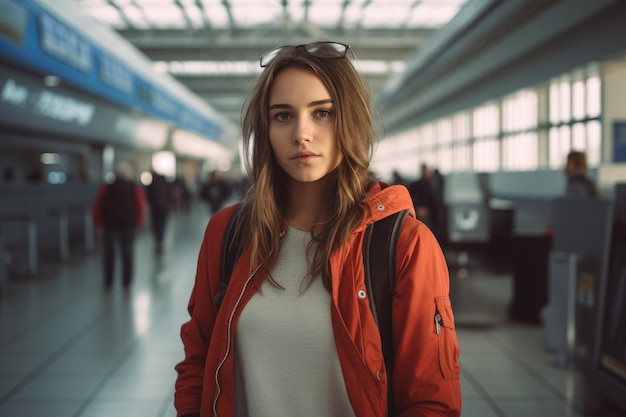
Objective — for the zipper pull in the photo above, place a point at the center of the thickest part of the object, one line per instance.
(438, 322)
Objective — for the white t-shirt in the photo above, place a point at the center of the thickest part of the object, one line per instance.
(286, 361)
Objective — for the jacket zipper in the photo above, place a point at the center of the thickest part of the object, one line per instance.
(440, 348)
(228, 345)
(438, 322)
(228, 332)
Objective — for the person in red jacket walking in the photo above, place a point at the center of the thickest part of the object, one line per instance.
(293, 334)
(118, 213)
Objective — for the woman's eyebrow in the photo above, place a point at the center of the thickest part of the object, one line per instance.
(318, 102)
(280, 106)
(311, 104)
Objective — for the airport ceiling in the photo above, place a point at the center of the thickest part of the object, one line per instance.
(212, 46)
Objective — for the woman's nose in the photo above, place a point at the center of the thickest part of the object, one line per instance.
(303, 131)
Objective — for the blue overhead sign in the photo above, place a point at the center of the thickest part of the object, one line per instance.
(27, 104)
(30, 37)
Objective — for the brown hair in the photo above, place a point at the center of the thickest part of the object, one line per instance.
(263, 206)
(576, 163)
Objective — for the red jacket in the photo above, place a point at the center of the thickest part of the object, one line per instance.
(426, 372)
(96, 213)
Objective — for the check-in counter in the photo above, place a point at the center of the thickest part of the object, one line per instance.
(45, 224)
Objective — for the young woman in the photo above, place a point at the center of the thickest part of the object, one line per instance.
(294, 334)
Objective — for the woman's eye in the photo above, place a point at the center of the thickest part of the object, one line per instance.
(323, 113)
(281, 117)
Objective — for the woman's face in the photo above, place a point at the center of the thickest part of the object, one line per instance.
(302, 125)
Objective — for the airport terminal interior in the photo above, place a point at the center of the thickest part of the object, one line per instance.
(491, 94)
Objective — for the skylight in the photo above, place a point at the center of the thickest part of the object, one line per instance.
(233, 14)
(220, 14)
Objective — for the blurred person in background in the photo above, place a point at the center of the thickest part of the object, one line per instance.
(159, 196)
(118, 213)
(578, 182)
(423, 197)
(215, 191)
(182, 194)
(437, 183)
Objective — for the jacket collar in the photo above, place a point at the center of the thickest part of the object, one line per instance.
(384, 200)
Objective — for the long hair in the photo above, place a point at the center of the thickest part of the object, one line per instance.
(263, 206)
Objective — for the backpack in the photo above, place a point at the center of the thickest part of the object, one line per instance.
(379, 256)
(119, 205)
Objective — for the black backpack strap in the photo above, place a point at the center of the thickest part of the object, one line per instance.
(231, 250)
(379, 261)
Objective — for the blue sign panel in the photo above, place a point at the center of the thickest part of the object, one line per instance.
(64, 44)
(619, 141)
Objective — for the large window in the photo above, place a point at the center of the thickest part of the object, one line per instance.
(486, 146)
(486, 153)
(520, 150)
(461, 150)
(574, 111)
(504, 134)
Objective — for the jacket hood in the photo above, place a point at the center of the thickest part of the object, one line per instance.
(384, 200)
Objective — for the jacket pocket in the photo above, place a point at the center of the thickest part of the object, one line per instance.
(448, 344)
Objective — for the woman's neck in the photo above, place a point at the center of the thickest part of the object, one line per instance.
(305, 202)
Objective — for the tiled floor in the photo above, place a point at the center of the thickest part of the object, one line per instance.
(67, 349)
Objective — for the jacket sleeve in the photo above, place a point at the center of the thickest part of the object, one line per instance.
(426, 376)
(196, 333)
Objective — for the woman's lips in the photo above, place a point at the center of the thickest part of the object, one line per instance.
(304, 156)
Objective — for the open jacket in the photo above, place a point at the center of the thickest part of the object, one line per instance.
(426, 371)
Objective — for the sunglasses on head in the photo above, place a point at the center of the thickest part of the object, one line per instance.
(324, 49)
